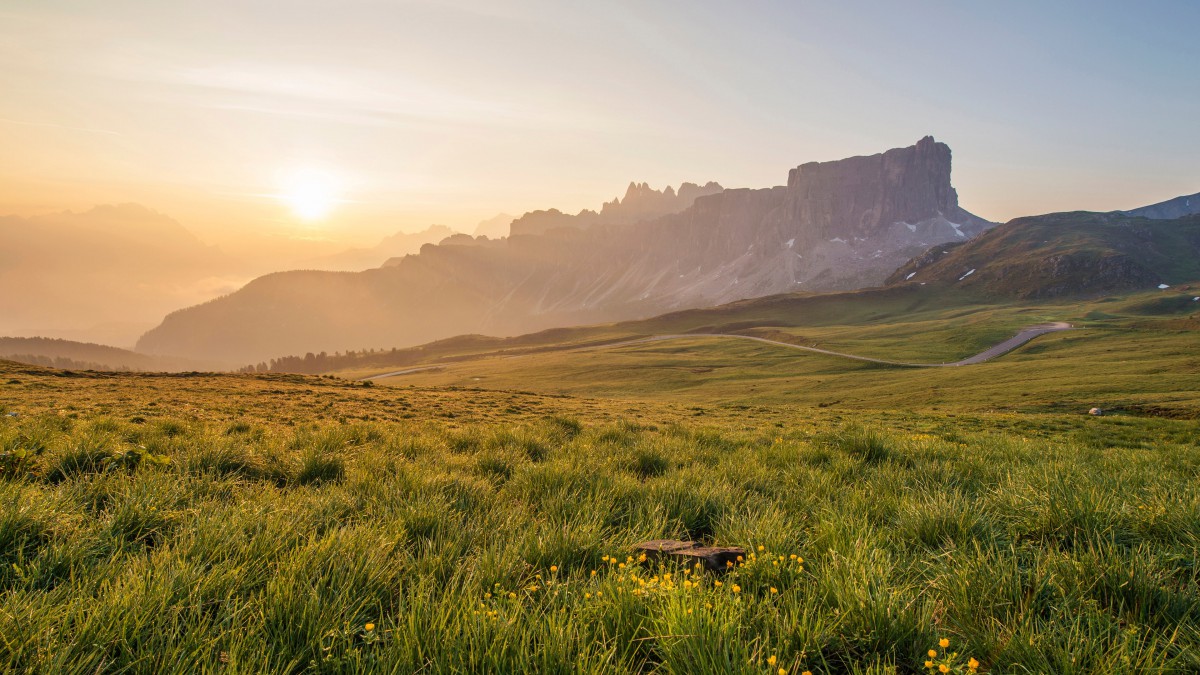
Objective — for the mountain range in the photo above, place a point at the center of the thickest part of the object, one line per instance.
(835, 225)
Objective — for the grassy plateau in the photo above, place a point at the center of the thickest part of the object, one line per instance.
(959, 520)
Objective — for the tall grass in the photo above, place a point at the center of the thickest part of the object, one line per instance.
(506, 548)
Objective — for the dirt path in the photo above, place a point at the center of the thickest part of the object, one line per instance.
(406, 371)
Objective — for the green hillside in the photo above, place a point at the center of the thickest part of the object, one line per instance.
(1078, 254)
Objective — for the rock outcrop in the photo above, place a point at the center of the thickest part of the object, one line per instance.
(835, 225)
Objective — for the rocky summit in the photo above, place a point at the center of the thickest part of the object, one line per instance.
(835, 225)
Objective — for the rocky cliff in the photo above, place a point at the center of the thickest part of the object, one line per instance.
(835, 225)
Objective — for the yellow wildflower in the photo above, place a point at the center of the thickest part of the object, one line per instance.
(972, 664)
(774, 590)
(369, 627)
(943, 668)
(554, 568)
(771, 660)
(932, 653)
(736, 589)
(944, 642)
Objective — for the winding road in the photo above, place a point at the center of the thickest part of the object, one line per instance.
(1025, 335)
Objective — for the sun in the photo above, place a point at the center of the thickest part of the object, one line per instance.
(310, 193)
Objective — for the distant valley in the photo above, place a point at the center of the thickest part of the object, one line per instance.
(105, 274)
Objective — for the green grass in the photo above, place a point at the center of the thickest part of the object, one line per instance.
(1034, 543)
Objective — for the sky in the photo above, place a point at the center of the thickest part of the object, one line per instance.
(410, 113)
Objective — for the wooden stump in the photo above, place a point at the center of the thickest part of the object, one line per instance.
(714, 558)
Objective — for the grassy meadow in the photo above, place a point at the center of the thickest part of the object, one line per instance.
(289, 524)
(1137, 354)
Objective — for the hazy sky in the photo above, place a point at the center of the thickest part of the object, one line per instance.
(452, 111)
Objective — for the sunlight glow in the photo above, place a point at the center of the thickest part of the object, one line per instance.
(310, 193)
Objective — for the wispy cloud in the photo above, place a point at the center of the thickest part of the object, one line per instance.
(59, 126)
(364, 97)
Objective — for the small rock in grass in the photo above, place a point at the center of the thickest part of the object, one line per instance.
(715, 558)
(1096, 411)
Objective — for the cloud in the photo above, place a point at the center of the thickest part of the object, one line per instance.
(59, 126)
(361, 97)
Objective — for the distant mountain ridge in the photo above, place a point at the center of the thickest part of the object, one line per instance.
(836, 225)
(1172, 208)
(57, 353)
(641, 202)
(399, 244)
(496, 227)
